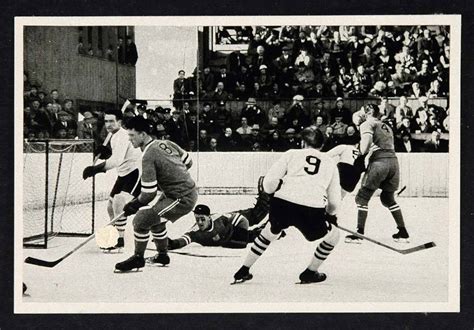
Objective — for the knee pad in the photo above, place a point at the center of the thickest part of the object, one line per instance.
(145, 219)
(363, 196)
(159, 228)
(387, 198)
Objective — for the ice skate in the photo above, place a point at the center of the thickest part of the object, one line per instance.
(242, 275)
(353, 239)
(117, 248)
(402, 236)
(160, 259)
(134, 262)
(309, 276)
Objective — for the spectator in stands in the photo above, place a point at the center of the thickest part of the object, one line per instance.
(227, 79)
(255, 137)
(131, 53)
(244, 77)
(213, 145)
(357, 91)
(382, 74)
(405, 59)
(39, 116)
(427, 45)
(64, 123)
(219, 94)
(288, 34)
(244, 130)
(296, 111)
(303, 80)
(207, 79)
(378, 90)
(87, 128)
(221, 118)
(175, 128)
(403, 110)
(351, 135)
(416, 91)
(444, 58)
(205, 117)
(334, 90)
(203, 140)
(253, 113)
(235, 61)
(424, 77)
(386, 109)
(405, 143)
(344, 80)
(241, 93)
(291, 142)
(339, 128)
(435, 144)
(405, 127)
(181, 89)
(329, 139)
(284, 60)
(54, 97)
(68, 107)
(362, 78)
(300, 43)
(229, 141)
(260, 58)
(275, 142)
(192, 126)
(273, 125)
(385, 59)
(319, 123)
(341, 111)
(434, 125)
(366, 59)
(265, 81)
(304, 57)
(276, 111)
(435, 90)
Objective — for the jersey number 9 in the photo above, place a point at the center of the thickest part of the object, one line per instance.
(314, 165)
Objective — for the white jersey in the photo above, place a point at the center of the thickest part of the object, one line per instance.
(125, 158)
(309, 177)
(344, 153)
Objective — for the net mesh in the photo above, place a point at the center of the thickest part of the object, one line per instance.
(56, 200)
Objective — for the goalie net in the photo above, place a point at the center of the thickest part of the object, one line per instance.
(56, 200)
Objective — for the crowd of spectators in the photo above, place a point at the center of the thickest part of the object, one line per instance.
(325, 61)
(124, 52)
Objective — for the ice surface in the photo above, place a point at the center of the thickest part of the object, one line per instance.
(356, 273)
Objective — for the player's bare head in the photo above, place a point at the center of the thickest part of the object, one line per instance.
(202, 215)
(312, 138)
(113, 119)
(138, 131)
(372, 110)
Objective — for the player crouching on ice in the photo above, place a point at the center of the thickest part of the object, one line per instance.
(307, 194)
(164, 165)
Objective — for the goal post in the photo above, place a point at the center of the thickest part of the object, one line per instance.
(56, 199)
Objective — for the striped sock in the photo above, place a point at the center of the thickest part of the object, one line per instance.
(324, 249)
(260, 244)
(141, 241)
(161, 240)
(397, 215)
(120, 225)
(362, 211)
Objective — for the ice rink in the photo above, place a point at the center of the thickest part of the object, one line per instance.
(356, 273)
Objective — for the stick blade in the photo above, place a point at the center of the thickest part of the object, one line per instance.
(419, 248)
(42, 263)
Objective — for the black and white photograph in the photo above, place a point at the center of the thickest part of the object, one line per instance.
(237, 164)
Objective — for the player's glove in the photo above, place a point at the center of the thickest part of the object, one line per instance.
(93, 170)
(103, 152)
(332, 219)
(359, 164)
(132, 207)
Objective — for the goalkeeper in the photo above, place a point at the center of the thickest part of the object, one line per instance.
(120, 154)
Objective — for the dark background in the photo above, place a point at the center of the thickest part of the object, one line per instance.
(8, 320)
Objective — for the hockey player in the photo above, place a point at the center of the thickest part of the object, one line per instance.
(164, 167)
(125, 158)
(230, 230)
(382, 172)
(350, 164)
(305, 184)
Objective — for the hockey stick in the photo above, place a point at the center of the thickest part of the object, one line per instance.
(402, 251)
(50, 264)
(106, 141)
(401, 190)
(190, 254)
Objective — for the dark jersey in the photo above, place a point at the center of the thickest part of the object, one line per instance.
(222, 228)
(164, 167)
(382, 138)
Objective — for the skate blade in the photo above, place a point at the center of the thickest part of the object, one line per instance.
(151, 264)
(401, 240)
(135, 270)
(112, 251)
(248, 278)
(352, 241)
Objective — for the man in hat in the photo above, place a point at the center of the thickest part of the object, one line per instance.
(304, 79)
(253, 113)
(290, 139)
(317, 109)
(64, 121)
(284, 60)
(259, 59)
(296, 111)
(340, 110)
(226, 78)
(254, 137)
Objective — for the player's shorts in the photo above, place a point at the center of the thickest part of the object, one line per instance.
(172, 209)
(309, 220)
(383, 173)
(348, 176)
(129, 183)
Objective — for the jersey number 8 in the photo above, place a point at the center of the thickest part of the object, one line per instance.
(314, 163)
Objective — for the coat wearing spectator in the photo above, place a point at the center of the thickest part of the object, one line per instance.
(131, 53)
(341, 111)
(253, 113)
(406, 144)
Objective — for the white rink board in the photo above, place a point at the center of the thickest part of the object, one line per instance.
(356, 273)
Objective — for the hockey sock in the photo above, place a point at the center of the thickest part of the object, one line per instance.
(324, 249)
(120, 225)
(260, 244)
(362, 211)
(397, 215)
(141, 241)
(161, 240)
